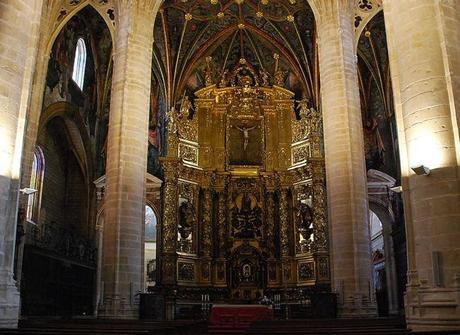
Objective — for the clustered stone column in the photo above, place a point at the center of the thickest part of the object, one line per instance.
(344, 155)
(425, 76)
(18, 44)
(123, 268)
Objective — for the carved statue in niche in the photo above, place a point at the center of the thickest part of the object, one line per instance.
(223, 79)
(172, 116)
(209, 72)
(280, 78)
(186, 107)
(264, 78)
(246, 217)
(305, 226)
(247, 273)
(185, 226)
(315, 120)
(303, 108)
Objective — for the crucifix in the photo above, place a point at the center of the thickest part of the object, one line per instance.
(245, 132)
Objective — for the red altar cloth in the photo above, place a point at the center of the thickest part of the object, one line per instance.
(238, 316)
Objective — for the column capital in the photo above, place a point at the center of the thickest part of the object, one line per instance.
(140, 6)
(328, 10)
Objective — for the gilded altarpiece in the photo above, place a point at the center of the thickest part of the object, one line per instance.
(244, 194)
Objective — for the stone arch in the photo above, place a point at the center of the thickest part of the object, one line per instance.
(45, 46)
(74, 11)
(379, 184)
(75, 129)
(366, 17)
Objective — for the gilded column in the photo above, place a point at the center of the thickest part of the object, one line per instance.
(221, 226)
(19, 22)
(425, 78)
(284, 222)
(169, 222)
(123, 264)
(318, 182)
(221, 222)
(270, 220)
(206, 229)
(269, 180)
(344, 157)
(319, 206)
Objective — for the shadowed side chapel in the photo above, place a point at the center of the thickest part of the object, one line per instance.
(229, 166)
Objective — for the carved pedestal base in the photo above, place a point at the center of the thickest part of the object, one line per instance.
(220, 273)
(9, 301)
(115, 307)
(357, 306)
(432, 309)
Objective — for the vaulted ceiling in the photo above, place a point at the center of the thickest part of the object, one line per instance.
(230, 32)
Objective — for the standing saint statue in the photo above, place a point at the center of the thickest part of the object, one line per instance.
(245, 132)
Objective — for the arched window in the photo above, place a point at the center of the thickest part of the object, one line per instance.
(150, 224)
(79, 63)
(150, 246)
(36, 181)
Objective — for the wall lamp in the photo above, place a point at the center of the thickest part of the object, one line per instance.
(421, 170)
(28, 190)
(396, 189)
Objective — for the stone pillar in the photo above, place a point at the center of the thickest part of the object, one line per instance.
(344, 156)
(19, 25)
(127, 159)
(169, 221)
(425, 75)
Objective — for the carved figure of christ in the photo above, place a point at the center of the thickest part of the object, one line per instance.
(245, 132)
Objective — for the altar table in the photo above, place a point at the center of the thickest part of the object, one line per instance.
(238, 316)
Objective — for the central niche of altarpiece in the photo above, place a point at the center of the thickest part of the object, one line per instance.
(244, 192)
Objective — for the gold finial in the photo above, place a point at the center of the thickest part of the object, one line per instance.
(220, 15)
(188, 16)
(290, 18)
(259, 14)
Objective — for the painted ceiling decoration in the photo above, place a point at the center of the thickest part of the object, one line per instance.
(201, 42)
